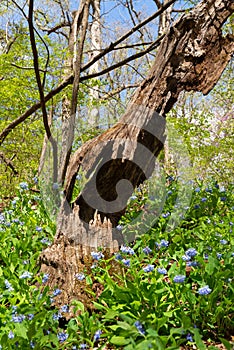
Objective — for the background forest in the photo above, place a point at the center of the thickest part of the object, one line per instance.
(168, 289)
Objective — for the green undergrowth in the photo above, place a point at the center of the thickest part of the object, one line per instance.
(175, 290)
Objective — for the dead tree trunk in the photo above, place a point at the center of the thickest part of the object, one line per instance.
(192, 56)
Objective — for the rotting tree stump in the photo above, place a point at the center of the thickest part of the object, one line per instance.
(191, 56)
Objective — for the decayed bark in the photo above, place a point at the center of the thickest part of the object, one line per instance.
(192, 56)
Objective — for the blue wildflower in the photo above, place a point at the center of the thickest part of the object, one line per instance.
(219, 255)
(32, 344)
(18, 318)
(204, 199)
(165, 215)
(127, 250)
(56, 292)
(11, 335)
(80, 276)
(30, 316)
(45, 241)
(191, 252)
(186, 258)
(147, 250)
(139, 327)
(223, 199)
(118, 256)
(23, 185)
(97, 335)
(78, 177)
(204, 290)
(189, 337)
(119, 227)
(97, 255)
(35, 179)
(196, 206)
(148, 268)
(126, 262)
(179, 279)
(64, 308)
(192, 263)
(55, 186)
(197, 189)
(26, 274)
(223, 241)
(56, 316)
(83, 346)
(62, 337)
(8, 286)
(162, 270)
(38, 228)
(45, 277)
(133, 197)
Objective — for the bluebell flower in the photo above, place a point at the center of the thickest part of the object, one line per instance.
(148, 268)
(204, 199)
(45, 241)
(189, 337)
(55, 186)
(126, 262)
(35, 179)
(38, 228)
(223, 199)
(165, 215)
(83, 346)
(78, 177)
(196, 206)
(45, 277)
(133, 197)
(11, 335)
(32, 344)
(204, 290)
(30, 316)
(219, 255)
(209, 190)
(56, 292)
(186, 258)
(118, 256)
(163, 243)
(147, 250)
(206, 256)
(169, 192)
(208, 221)
(192, 263)
(197, 189)
(127, 250)
(139, 327)
(56, 316)
(64, 308)
(80, 276)
(119, 227)
(97, 255)
(26, 274)
(8, 286)
(179, 279)
(62, 337)
(17, 318)
(231, 223)
(191, 252)
(23, 185)
(162, 270)
(97, 335)
(223, 241)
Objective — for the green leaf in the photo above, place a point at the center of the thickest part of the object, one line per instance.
(21, 330)
(198, 340)
(226, 343)
(119, 340)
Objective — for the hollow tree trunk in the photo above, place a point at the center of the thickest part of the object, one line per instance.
(192, 56)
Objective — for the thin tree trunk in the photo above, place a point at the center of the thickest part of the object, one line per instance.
(192, 56)
(95, 49)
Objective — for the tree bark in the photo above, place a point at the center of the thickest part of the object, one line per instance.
(192, 56)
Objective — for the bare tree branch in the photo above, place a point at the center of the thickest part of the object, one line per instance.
(9, 163)
(41, 92)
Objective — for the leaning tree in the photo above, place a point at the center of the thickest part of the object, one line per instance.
(191, 56)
